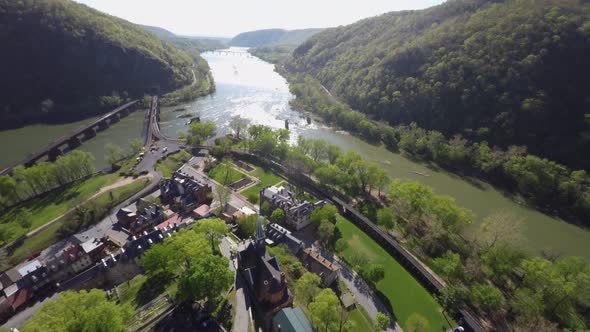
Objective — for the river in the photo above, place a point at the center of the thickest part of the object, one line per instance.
(249, 87)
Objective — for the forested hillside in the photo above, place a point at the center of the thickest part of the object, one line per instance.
(160, 32)
(272, 37)
(63, 61)
(505, 72)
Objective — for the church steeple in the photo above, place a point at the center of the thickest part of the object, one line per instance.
(260, 237)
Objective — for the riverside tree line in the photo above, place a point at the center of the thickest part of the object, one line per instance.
(488, 271)
(31, 181)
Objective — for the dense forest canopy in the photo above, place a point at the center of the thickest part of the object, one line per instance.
(505, 72)
(272, 37)
(64, 60)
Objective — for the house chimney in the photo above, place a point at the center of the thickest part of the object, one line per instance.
(283, 277)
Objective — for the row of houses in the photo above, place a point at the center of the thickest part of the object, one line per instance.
(37, 276)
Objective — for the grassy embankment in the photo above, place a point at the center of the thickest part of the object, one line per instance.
(171, 163)
(101, 204)
(399, 290)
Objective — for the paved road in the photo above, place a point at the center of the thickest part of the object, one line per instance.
(242, 318)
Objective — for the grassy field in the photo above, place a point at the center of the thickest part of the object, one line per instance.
(54, 204)
(362, 320)
(171, 163)
(399, 289)
(225, 174)
(267, 178)
(51, 234)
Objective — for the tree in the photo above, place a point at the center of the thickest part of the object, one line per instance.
(278, 216)
(114, 154)
(373, 273)
(357, 259)
(326, 231)
(5, 233)
(324, 311)
(135, 145)
(382, 180)
(382, 321)
(238, 125)
(453, 298)
(488, 298)
(205, 279)
(80, 311)
(385, 218)
(223, 195)
(327, 212)
(200, 131)
(449, 266)
(266, 208)
(247, 225)
(307, 286)
(24, 218)
(417, 323)
(158, 260)
(8, 188)
(500, 229)
(213, 230)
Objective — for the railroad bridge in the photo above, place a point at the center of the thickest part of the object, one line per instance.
(75, 138)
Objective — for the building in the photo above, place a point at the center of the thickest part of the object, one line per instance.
(267, 284)
(280, 235)
(139, 217)
(297, 213)
(291, 320)
(184, 192)
(231, 212)
(321, 266)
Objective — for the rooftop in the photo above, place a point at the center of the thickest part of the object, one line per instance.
(91, 245)
(320, 259)
(29, 267)
(292, 320)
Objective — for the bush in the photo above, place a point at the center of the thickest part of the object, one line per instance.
(253, 198)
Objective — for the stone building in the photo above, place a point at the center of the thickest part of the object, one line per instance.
(297, 213)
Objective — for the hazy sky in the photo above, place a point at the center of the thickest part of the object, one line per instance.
(228, 18)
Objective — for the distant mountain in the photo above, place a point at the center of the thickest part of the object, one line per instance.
(505, 71)
(272, 37)
(62, 60)
(160, 32)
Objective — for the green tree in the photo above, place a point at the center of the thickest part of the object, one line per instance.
(373, 273)
(385, 218)
(135, 145)
(449, 266)
(278, 216)
(324, 311)
(327, 212)
(213, 229)
(382, 321)
(487, 297)
(205, 279)
(326, 231)
(247, 225)
(114, 154)
(158, 260)
(24, 218)
(238, 125)
(307, 286)
(8, 188)
(266, 208)
(453, 298)
(200, 131)
(417, 323)
(80, 311)
(5, 233)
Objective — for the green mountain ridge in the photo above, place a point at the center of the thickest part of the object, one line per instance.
(63, 61)
(272, 37)
(508, 72)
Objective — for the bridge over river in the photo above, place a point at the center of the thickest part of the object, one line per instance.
(74, 139)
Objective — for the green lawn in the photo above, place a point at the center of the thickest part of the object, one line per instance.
(52, 205)
(225, 174)
(267, 178)
(171, 163)
(51, 234)
(405, 295)
(362, 320)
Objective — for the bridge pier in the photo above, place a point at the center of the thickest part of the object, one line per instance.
(103, 125)
(74, 142)
(54, 154)
(89, 133)
(114, 119)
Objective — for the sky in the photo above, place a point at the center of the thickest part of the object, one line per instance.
(227, 18)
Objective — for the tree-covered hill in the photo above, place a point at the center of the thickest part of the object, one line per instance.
(508, 72)
(160, 32)
(62, 60)
(272, 37)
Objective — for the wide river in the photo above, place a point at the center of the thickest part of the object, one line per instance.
(249, 87)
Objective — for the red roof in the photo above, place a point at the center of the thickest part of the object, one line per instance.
(174, 220)
(20, 297)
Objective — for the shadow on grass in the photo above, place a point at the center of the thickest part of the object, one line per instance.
(152, 288)
(387, 304)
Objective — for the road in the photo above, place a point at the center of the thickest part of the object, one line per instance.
(243, 316)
